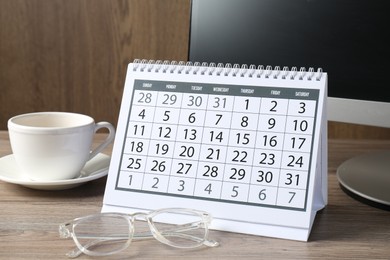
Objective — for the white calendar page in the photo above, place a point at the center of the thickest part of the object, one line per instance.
(249, 150)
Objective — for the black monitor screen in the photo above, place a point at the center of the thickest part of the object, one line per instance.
(348, 39)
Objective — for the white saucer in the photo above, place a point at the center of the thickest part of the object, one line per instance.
(96, 168)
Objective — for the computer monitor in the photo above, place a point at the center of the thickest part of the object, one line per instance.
(348, 39)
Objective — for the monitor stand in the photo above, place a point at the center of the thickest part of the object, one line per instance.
(367, 178)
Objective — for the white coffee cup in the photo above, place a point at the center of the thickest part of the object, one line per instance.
(50, 146)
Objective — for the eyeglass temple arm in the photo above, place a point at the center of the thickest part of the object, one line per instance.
(147, 235)
(76, 251)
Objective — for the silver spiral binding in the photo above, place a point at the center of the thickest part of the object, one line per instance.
(227, 69)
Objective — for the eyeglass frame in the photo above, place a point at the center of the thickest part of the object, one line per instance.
(66, 230)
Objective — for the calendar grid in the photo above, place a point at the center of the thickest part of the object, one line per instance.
(174, 165)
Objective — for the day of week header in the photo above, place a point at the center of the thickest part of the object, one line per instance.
(170, 86)
(196, 88)
(301, 94)
(147, 85)
(220, 89)
(247, 90)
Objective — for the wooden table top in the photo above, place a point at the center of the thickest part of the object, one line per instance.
(345, 229)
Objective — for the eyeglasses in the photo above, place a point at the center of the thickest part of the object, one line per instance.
(108, 233)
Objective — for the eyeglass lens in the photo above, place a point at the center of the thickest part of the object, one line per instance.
(188, 231)
(103, 234)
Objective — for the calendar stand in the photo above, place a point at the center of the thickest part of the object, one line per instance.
(248, 145)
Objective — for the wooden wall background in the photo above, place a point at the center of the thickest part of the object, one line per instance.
(72, 55)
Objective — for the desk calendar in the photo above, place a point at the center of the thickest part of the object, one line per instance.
(246, 144)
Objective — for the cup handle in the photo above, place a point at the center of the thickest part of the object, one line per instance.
(107, 141)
